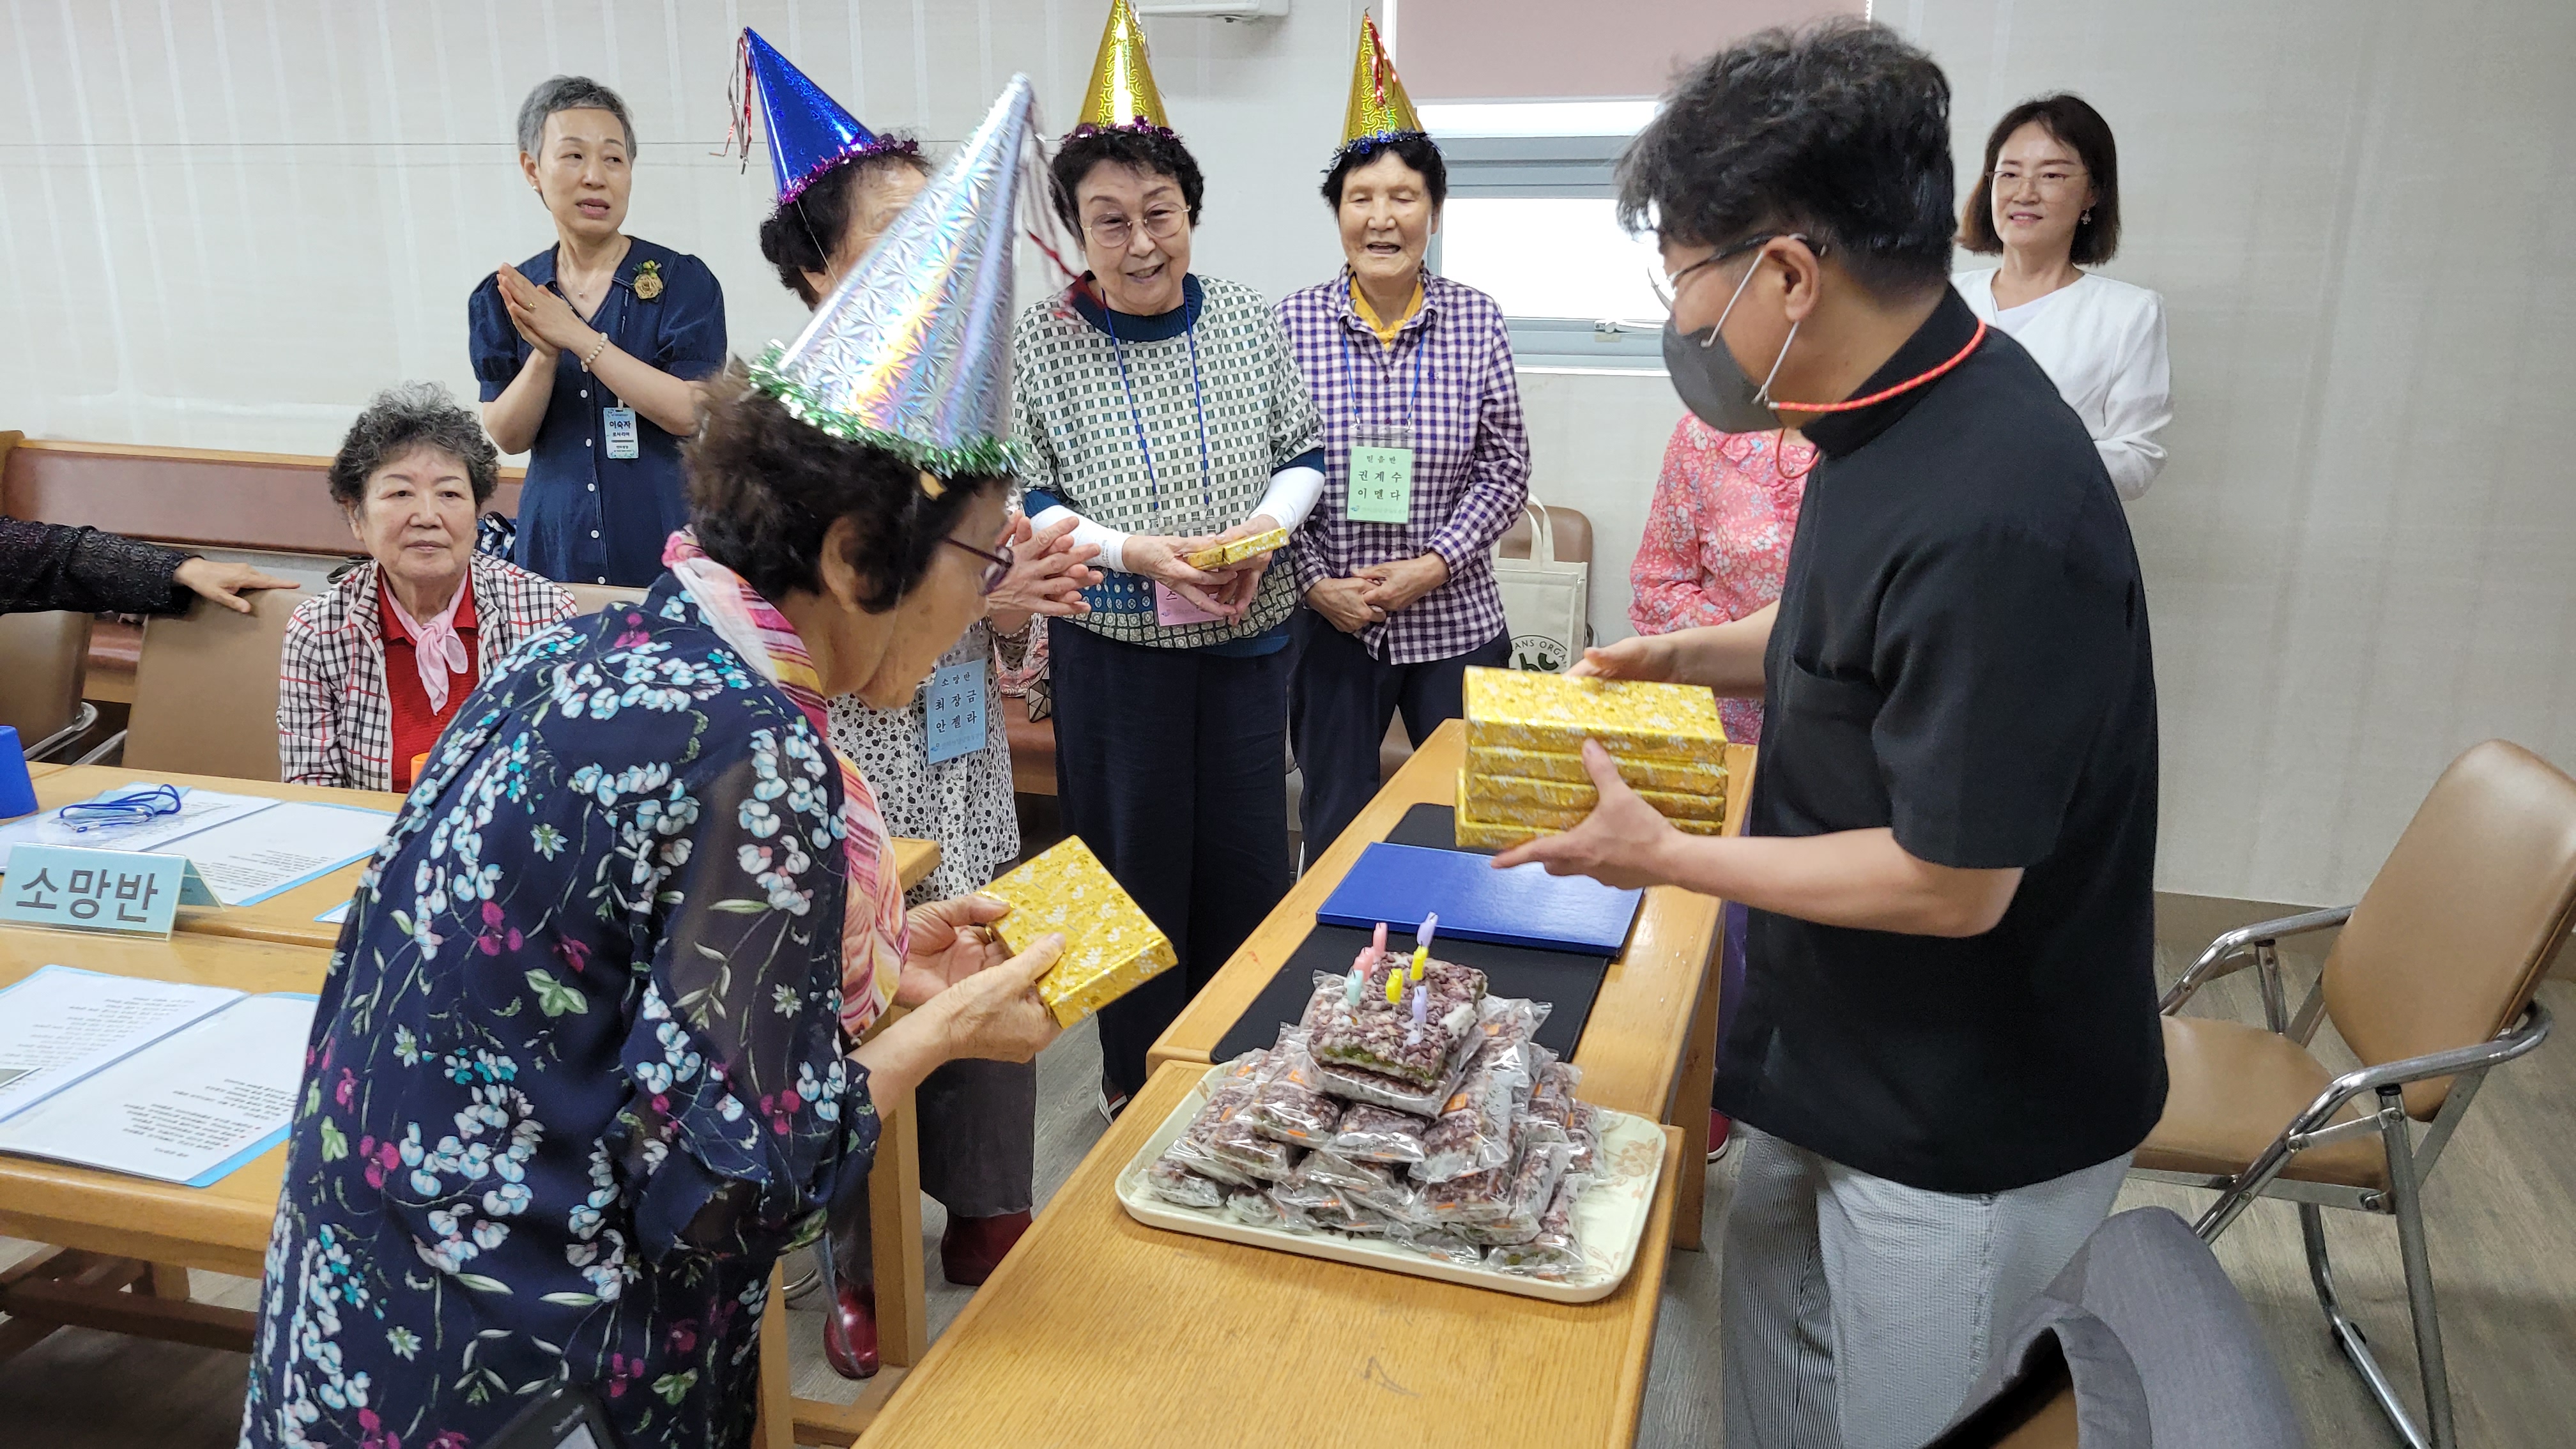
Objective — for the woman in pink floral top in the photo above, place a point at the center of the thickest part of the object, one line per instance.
(1717, 537)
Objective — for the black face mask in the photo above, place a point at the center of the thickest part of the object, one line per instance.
(1712, 383)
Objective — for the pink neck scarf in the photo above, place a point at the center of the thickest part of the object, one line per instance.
(873, 935)
(435, 645)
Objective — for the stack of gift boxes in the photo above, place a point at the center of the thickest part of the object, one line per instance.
(1524, 774)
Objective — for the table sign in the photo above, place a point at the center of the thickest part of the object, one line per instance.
(120, 891)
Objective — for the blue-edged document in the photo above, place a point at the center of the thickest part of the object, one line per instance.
(1523, 906)
(162, 1079)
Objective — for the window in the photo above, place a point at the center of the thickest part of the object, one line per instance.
(1532, 221)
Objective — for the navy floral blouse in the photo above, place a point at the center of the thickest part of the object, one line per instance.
(576, 1079)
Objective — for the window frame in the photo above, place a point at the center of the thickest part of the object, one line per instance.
(1584, 167)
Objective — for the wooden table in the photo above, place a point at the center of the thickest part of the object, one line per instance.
(115, 1230)
(289, 916)
(1098, 1330)
(1649, 1046)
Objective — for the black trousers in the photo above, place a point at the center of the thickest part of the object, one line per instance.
(1172, 764)
(1339, 702)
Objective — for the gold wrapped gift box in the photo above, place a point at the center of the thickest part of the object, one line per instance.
(1225, 555)
(1500, 827)
(1110, 947)
(1526, 710)
(1496, 797)
(1687, 777)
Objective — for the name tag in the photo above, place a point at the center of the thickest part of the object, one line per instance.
(1381, 488)
(122, 892)
(953, 716)
(1170, 608)
(619, 424)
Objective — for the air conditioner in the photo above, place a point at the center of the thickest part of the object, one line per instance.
(1228, 10)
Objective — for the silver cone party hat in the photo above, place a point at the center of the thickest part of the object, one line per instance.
(912, 353)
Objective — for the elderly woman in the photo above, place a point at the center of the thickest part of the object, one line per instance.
(579, 1074)
(376, 668)
(2049, 201)
(1163, 412)
(588, 351)
(839, 187)
(1400, 593)
(1716, 545)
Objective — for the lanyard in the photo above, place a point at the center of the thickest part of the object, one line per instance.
(1350, 388)
(1207, 487)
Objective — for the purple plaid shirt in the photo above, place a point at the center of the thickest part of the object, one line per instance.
(1451, 370)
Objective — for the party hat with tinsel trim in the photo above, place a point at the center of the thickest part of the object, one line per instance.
(912, 353)
(1122, 94)
(809, 133)
(1379, 111)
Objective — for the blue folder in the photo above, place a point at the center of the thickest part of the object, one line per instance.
(1523, 906)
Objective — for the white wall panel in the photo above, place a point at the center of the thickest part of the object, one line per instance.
(224, 222)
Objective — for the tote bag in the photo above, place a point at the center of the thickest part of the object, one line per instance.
(1547, 602)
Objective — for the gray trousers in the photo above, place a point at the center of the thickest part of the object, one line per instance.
(978, 1152)
(1856, 1313)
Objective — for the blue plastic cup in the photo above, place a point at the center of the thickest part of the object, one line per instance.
(17, 791)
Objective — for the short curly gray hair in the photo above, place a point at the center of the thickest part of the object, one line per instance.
(407, 416)
(568, 93)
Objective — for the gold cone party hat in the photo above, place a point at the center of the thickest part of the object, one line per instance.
(1379, 107)
(1122, 93)
(912, 353)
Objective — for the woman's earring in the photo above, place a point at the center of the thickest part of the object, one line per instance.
(2086, 219)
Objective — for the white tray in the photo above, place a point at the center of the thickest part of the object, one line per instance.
(1610, 1215)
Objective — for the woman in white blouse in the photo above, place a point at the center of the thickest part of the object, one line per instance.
(2049, 201)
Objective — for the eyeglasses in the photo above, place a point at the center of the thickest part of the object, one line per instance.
(1162, 224)
(2050, 178)
(995, 564)
(1668, 290)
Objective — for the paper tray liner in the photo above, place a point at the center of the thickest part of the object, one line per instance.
(1610, 1215)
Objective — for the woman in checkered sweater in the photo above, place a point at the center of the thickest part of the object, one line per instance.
(1164, 413)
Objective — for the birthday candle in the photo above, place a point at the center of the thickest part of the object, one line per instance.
(1419, 997)
(1395, 988)
(1422, 943)
(1377, 943)
(1358, 982)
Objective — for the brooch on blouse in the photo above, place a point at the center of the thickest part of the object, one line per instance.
(648, 281)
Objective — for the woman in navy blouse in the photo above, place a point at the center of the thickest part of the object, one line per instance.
(589, 352)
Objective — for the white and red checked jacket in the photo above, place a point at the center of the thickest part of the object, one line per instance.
(335, 717)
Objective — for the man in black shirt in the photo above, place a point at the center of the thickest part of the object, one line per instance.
(1946, 1046)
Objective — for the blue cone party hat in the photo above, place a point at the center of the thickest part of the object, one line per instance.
(809, 133)
(912, 353)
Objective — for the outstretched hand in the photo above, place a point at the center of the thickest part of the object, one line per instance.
(1639, 656)
(950, 941)
(1618, 844)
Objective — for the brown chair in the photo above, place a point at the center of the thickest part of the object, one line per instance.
(42, 658)
(205, 690)
(2430, 984)
(594, 597)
